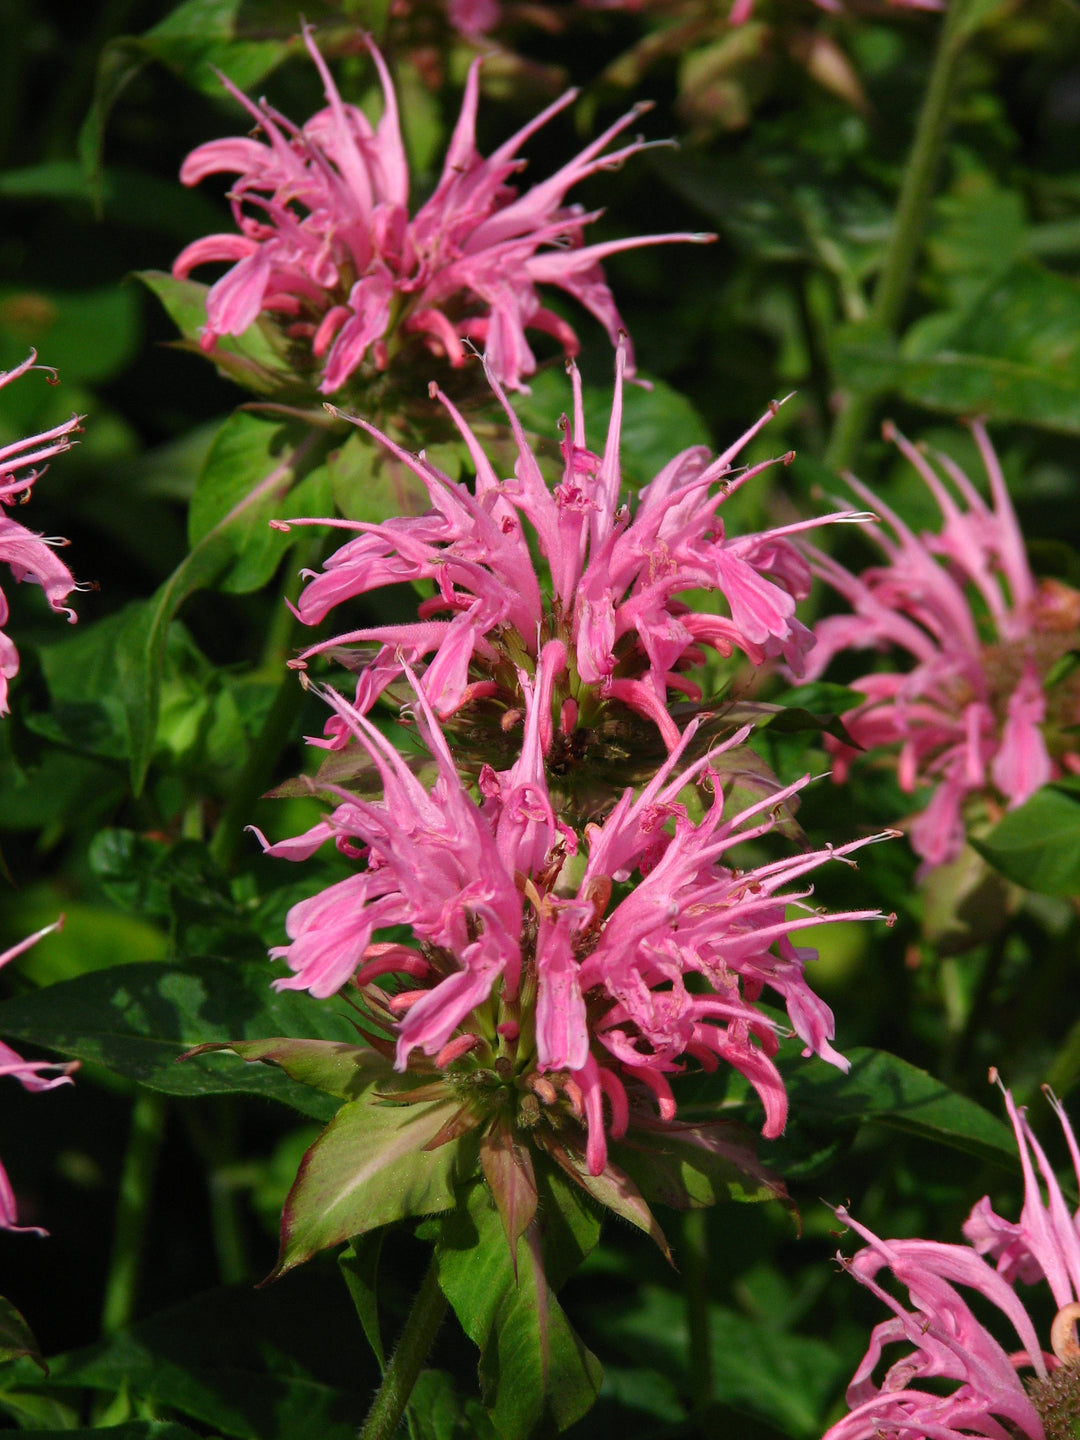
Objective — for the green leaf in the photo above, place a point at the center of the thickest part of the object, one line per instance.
(218, 555)
(535, 1373)
(690, 1166)
(883, 1088)
(368, 483)
(254, 360)
(250, 470)
(137, 1020)
(1038, 844)
(508, 1170)
(327, 1065)
(194, 38)
(359, 1263)
(1013, 354)
(614, 1190)
(436, 1412)
(16, 1338)
(368, 1168)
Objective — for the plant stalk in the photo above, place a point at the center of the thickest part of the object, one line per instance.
(695, 1289)
(405, 1365)
(909, 223)
(133, 1211)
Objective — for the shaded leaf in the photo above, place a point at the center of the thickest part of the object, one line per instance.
(16, 1338)
(886, 1089)
(241, 1362)
(137, 1020)
(756, 1367)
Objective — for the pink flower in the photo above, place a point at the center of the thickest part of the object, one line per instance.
(997, 1390)
(31, 557)
(326, 242)
(971, 712)
(518, 950)
(609, 592)
(29, 1074)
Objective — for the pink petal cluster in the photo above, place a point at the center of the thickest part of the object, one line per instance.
(609, 590)
(326, 242)
(31, 557)
(29, 1074)
(517, 936)
(968, 710)
(994, 1388)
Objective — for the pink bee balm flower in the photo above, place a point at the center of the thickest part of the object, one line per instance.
(608, 593)
(995, 1388)
(31, 557)
(326, 242)
(29, 1074)
(971, 712)
(519, 956)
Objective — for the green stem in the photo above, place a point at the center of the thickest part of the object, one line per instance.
(695, 1283)
(133, 1211)
(405, 1365)
(909, 224)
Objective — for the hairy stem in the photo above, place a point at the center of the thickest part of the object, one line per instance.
(405, 1365)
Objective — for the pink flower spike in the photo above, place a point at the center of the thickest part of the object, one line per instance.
(327, 240)
(608, 590)
(523, 957)
(994, 1388)
(973, 713)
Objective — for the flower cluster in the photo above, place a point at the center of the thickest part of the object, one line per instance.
(29, 1074)
(533, 955)
(31, 557)
(609, 599)
(996, 1389)
(327, 245)
(975, 713)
